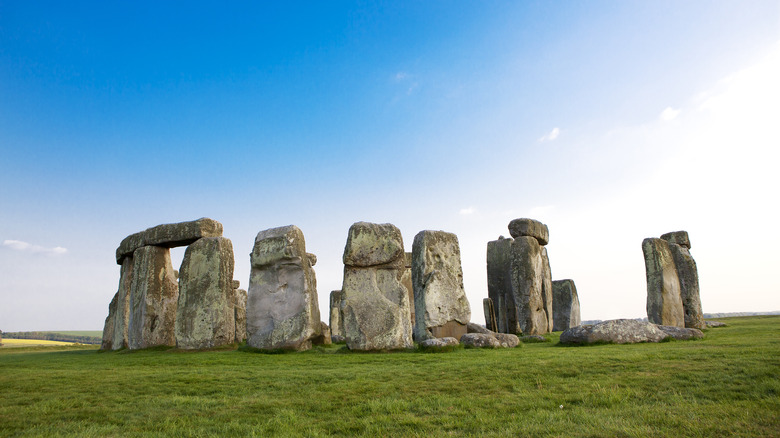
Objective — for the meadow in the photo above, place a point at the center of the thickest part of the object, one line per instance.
(727, 384)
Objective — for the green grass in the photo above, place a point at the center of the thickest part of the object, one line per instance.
(92, 333)
(727, 384)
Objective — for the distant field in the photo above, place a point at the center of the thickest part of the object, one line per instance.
(727, 384)
(31, 342)
(93, 333)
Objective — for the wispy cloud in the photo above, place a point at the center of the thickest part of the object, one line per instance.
(407, 80)
(400, 76)
(552, 135)
(18, 245)
(467, 211)
(669, 114)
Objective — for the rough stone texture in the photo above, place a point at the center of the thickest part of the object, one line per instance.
(337, 339)
(375, 305)
(282, 308)
(439, 342)
(336, 321)
(479, 340)
(108, 326)
(239, 304)
(312, 258)
(324, 338)
(534, 338)
(566, 305)
(206, 315)
(441, 306)
(122, 315)
(618, 331)
(530, 227)
(500, 285)
(527, 277)
(235, 284)
(678, 237)
(664, 303)
(153, 297)
(689, 286)
(490, 314)
(406, 280)
(169, 236)
(547, 293)
(476, 328)
(681, 333)
(507, 340)
(373, 245)
(714, 324)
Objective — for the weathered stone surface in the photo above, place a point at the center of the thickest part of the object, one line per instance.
(439, 342)
(664, 303)
(205, 315)
(479, 340)
(239, 304)
(714, 324)
(375, 304)
(476, 328)
(678, 237)
(153, 297)
(406, 280)
(527, 276)
(122, 315)
(617, 331)
(336, 321)
(169, 236)
(490, 314)
(507, 340)
(500, 285)
(534, 338)
(566, 305)
(681, 333)
(373, 245)
(235, 284)
(441, 306)
(324, 337)
(529, 227)
(547, 293)
(282, 308)
(689, 286)
(337, 339)
(108, 326)
(312, 258)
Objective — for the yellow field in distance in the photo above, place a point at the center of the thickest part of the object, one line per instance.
(30, 343)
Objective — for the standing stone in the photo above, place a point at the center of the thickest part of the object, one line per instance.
(547, 293)
(566, 305)
(205, 315)
(490, 314)
(122, 315)
(689, 278)
(108, 326)
(324, 338)
(500, 285)
(282, 308)
(336, 321)
(375, 306)
(153, 297)
(527, 277)
(407, 282)
(240, 314)
(664, 304)
(441, 307)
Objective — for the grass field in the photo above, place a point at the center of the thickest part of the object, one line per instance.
(727, 384)
(14, 343)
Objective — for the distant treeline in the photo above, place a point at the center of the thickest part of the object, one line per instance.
(52, 336)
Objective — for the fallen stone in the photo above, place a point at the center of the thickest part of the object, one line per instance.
(153, 298)
(529, 227)
(338, 339)
(476, 328)
(664, 303)
(122, 316)
(533, 338)
(566, 305)
(689, 286)
(527, 277)
(678, 237)
(373, 245)
(507, 340)
(282, 309)
(479, 340)
(616, 331)
(500, 285)
(108, 326)
(336, 321)
(714, 324)
(440, 303)
(169, 236)
(439, 342)
(681, 333)
(490, 314)
(206, 315)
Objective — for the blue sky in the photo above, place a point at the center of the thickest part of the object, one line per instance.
(609, 121)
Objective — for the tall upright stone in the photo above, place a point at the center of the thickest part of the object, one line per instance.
(153, 298)
(680, 245)
(441, 307)
(205, 314)
(566, 305)
(547, 292)
(108, 326)
(240, 314)
(500, 285)
(527, 280)
(664, 303)
(122, 314)
(282, 308)
(490, 315)
(407, 282)
(375, 305)
(336, 322)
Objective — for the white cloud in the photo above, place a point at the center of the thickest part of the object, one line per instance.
(467, 211)
(18, 245)
(552, 135)
(669, 114)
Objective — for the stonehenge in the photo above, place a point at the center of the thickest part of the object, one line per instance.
(566, 305)
(672, 281)
(336, 321)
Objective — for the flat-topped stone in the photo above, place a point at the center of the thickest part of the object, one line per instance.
(435, 343)
(529, 227)
(678, 237)
(371, 244)
(169, 236)
(281, 244)
(681, 333)
(615, 331)
(479, 340)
